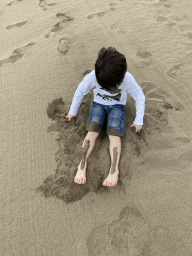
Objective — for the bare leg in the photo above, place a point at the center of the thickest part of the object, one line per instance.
(115, 152)
(88, 145)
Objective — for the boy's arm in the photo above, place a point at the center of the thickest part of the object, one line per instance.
(83, 88)
(136, 92)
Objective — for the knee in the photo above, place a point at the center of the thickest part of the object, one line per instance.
(93, 134)
(113, 137)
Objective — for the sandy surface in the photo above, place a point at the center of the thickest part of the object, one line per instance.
(46, 49)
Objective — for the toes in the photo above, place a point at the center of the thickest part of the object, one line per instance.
(109, 184)
(104, 183)
(80, 181)
(76, 180)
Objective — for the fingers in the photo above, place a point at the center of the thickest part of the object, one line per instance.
(138, 129)
(68, 118)
(133, 125)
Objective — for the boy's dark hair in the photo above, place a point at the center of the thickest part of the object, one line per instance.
(110, 68)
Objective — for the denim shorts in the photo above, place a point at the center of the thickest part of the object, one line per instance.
(116, 114)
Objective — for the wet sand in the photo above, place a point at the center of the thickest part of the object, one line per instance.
(47, 47)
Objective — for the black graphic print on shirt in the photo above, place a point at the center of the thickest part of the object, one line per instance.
(110, 98)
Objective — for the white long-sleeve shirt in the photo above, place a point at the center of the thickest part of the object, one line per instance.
(102, 96)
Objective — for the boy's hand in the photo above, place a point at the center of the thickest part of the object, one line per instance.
(69, 117)
(138, 127)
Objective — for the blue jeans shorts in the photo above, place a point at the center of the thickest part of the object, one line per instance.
(116, 114)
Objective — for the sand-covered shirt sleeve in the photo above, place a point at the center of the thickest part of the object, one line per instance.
(136, 92)
(83, 89)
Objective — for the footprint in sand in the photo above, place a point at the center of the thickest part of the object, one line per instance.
(20, 24)
(64, 45)
(125, 236)
(161, 19)
(60, 25)
(99, 14)
(56, 28)
(145, 55)
(64, 17)
(113, 6)
(9, 4)
(16, 55)
(130, 236)
(44, 5)
(174, 70)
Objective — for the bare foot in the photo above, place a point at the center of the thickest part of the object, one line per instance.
(111, 179)
(80, 177)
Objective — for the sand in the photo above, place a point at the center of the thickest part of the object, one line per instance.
(47, 47)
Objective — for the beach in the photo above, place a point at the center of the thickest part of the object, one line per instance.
(47, 48)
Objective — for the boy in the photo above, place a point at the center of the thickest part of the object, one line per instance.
(112, 82)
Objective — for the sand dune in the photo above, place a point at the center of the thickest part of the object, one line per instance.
(47, 47)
